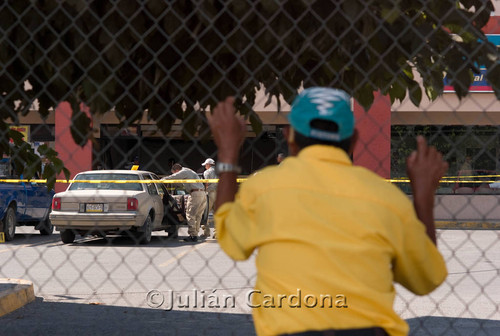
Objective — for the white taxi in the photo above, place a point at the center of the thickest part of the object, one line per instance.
(103, 201)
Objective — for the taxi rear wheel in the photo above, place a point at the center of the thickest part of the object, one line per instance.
(144, 236)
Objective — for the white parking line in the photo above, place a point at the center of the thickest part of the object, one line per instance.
(182, 254)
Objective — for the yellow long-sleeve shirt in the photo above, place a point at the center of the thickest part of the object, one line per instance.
(332, 238)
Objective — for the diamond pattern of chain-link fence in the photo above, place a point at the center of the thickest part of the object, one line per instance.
(120, 90)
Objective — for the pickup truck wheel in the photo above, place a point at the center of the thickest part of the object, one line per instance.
(67, 236)
(144, 236)
(9, 224)
(47, 228)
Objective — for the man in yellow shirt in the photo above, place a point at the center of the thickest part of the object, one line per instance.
(330, 237)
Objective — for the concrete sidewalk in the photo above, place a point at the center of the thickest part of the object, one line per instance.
(15, 293)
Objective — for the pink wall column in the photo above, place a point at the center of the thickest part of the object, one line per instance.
(493, 26)
(74, 157)
(373, 149)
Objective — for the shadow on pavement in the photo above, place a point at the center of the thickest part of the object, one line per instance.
(56, 318)
(453, 326)
(124, 241)
(31, 239)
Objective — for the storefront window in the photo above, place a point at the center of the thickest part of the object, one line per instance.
(471, 151)
(42, 133)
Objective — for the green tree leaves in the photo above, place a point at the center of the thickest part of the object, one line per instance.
(26, 162)
(175, 59)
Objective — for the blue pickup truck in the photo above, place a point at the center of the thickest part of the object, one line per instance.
(23, 203)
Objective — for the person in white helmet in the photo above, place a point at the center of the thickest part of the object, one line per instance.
(211, 189)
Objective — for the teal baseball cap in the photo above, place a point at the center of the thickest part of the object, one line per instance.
(323, 104)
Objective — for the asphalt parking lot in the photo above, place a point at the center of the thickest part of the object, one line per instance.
(99, 286)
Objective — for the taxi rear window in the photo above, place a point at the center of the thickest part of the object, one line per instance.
(107, 183)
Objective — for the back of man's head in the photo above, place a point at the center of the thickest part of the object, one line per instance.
(322, 116)
(176, 167)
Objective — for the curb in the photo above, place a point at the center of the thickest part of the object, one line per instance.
(15, 293)
(467, 225)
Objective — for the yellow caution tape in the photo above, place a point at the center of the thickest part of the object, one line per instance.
(453, 177)
(446, 179)
(464, 176)
(120, 181)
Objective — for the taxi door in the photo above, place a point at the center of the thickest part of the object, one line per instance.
(156, 200)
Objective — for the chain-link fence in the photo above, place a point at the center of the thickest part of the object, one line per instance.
(120, 89)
